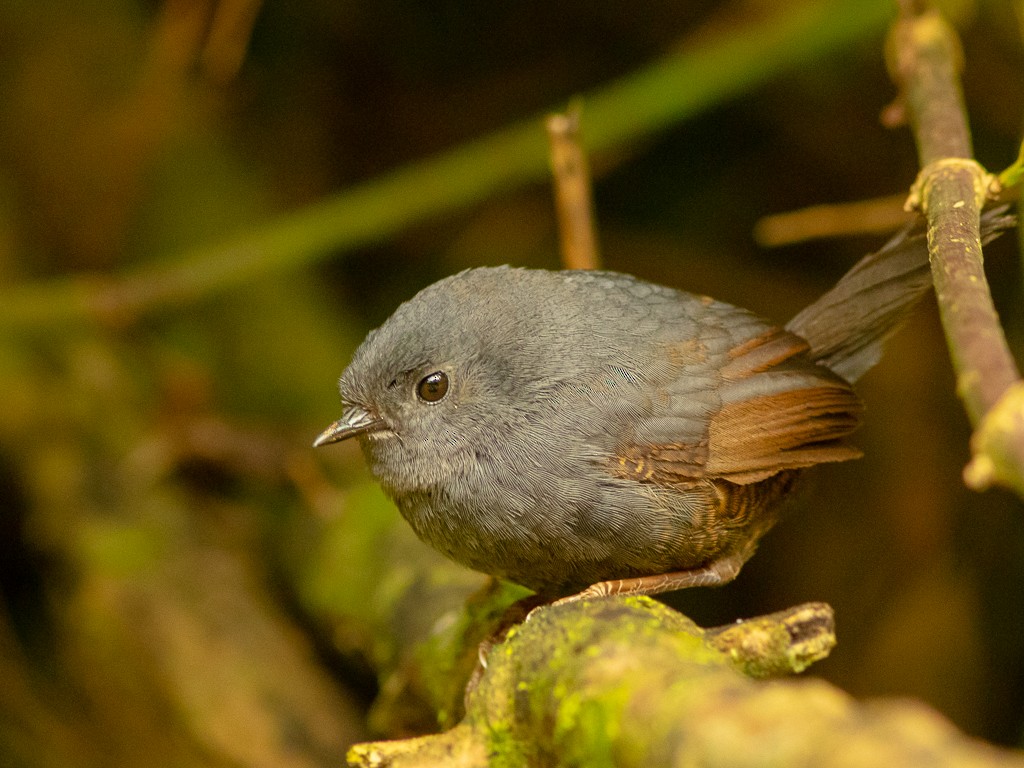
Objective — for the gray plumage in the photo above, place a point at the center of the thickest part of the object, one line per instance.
(599, 427)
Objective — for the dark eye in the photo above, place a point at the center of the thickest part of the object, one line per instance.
(433, 386)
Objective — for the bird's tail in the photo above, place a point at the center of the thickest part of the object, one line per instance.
(847, 327)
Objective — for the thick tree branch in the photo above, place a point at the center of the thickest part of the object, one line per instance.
(629, 682)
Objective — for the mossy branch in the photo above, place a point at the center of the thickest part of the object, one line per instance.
(951, 189)
(629, 682)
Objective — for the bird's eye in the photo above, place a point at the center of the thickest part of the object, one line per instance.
(433, 386)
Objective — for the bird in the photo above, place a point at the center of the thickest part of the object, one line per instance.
(588, 433)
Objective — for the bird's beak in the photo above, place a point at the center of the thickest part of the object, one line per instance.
(355, 421)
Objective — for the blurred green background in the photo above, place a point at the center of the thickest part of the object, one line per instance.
(205, 205)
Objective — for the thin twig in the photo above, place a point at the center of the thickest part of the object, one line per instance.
(574, 201)
(864, 217)
(950, 191)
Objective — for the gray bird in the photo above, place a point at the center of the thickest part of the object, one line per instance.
(588, 433)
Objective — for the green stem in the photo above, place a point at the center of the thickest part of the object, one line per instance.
(667, 92)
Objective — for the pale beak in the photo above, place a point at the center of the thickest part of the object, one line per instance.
(355, 421)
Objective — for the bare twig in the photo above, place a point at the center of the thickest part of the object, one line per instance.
(950, 191)
(876, 216)
(573, 198)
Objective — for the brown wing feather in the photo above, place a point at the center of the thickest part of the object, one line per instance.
(778, 411)
(753, 439)
(761, 353)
